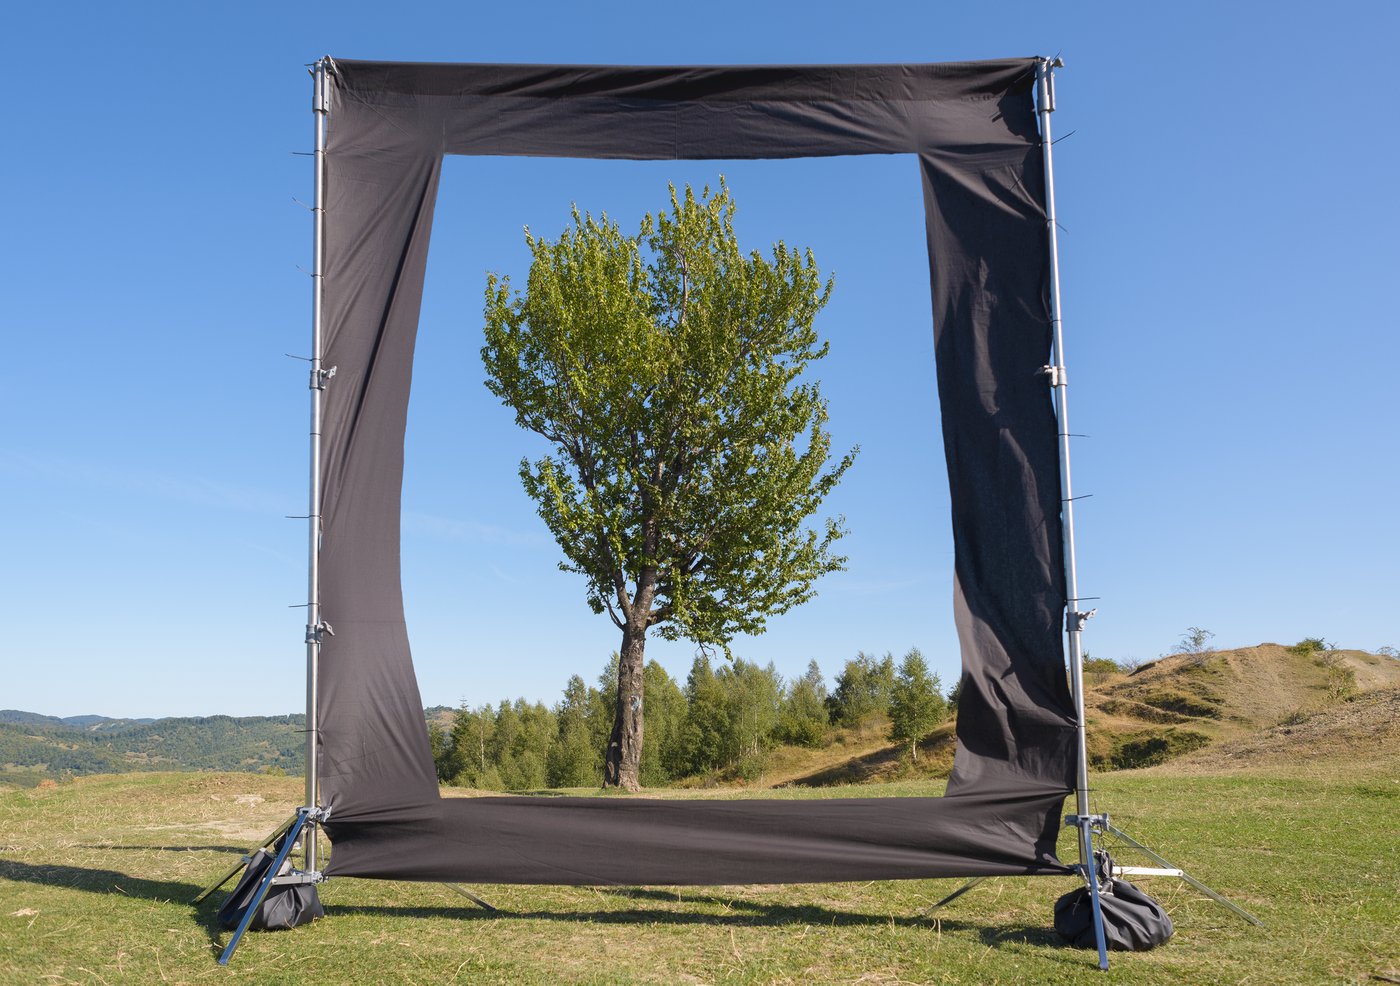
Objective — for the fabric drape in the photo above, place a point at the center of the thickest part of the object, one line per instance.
(970, 129)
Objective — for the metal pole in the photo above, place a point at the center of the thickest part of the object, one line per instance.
(302, 821)
(1045, 100)
(314, 623)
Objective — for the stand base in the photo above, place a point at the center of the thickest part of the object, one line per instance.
(1088, 826)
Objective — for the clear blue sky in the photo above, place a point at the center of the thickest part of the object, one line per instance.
(1230, 266)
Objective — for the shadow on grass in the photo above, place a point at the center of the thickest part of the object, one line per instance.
(240, 850)
(737, 912)
(99, 881)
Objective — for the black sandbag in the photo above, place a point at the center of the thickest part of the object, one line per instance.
(1132, 921)
(285, 906)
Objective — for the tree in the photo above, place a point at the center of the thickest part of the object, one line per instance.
(751, 696)
(803, 717)
(1194, 641)
(863, 689)
(954, 696)
(446, 759)
(916, 704)
(687, 454)
(572, 758)
(706, 721)
(473, 734)
(665, 711)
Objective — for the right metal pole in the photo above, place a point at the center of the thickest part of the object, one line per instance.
(1059, 383)
(320, 107)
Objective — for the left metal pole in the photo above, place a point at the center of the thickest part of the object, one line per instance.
(1045, 100)
(315, 625)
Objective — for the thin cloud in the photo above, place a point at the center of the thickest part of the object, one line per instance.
(467, 531)
(199, 490)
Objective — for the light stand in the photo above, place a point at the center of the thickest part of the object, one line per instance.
(1086, 824)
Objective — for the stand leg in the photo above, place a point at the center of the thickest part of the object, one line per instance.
(1091, 873)
(455, 888)
(297, 825)
(244, 861)
(1218, 898)
(953, 896)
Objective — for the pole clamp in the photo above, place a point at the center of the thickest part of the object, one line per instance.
(1045, 83)
(313, 633)
(320, 814)
(1077, 620)
(320, 376)
(1099, 823)
(1058, 376)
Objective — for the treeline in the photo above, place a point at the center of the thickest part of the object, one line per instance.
(723, 722)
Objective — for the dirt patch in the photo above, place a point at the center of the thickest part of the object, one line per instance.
(1369, 722)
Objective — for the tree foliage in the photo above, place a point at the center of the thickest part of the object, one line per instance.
(804, 716)
(916, 704)
(665, 369)
(863, 689)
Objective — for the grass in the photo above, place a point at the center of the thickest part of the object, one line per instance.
(95, 879)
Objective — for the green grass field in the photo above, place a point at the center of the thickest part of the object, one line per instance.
(96, 875)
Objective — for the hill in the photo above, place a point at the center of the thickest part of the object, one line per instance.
(34, 747)
(1187, 702)
(67, 722)
(1229, 707)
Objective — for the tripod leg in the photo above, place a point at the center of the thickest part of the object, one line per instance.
(1091, 874)
(455, 888)
(244, 861)
(1218, 898)
(953, 896)
(297, 825)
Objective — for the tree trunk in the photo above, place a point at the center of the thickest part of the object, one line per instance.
(622, 767)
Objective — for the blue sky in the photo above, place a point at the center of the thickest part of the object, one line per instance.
(1229, 261)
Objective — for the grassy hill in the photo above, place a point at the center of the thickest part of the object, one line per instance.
(36, 748)
(1232, 701)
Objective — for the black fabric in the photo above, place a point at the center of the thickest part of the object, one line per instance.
(1132, 921)
(606, 840)
(971, 129)
(285, 906)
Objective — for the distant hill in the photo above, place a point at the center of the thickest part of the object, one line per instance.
(34, 747)
(70, 722)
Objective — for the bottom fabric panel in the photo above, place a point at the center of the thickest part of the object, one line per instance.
(639, 841)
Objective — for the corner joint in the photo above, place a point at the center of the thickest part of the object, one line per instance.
(314, 633)
(320, 376)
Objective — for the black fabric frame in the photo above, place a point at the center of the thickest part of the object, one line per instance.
(971, 127)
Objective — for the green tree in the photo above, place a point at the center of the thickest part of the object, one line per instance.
(706, 724)
(803, 717)
(445, 757)
(473, 742)
(688, 455)
(863, 689)
(751, 697)
(665, 705)
(572, 760)
(916, 704)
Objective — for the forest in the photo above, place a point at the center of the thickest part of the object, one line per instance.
(720, 725)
